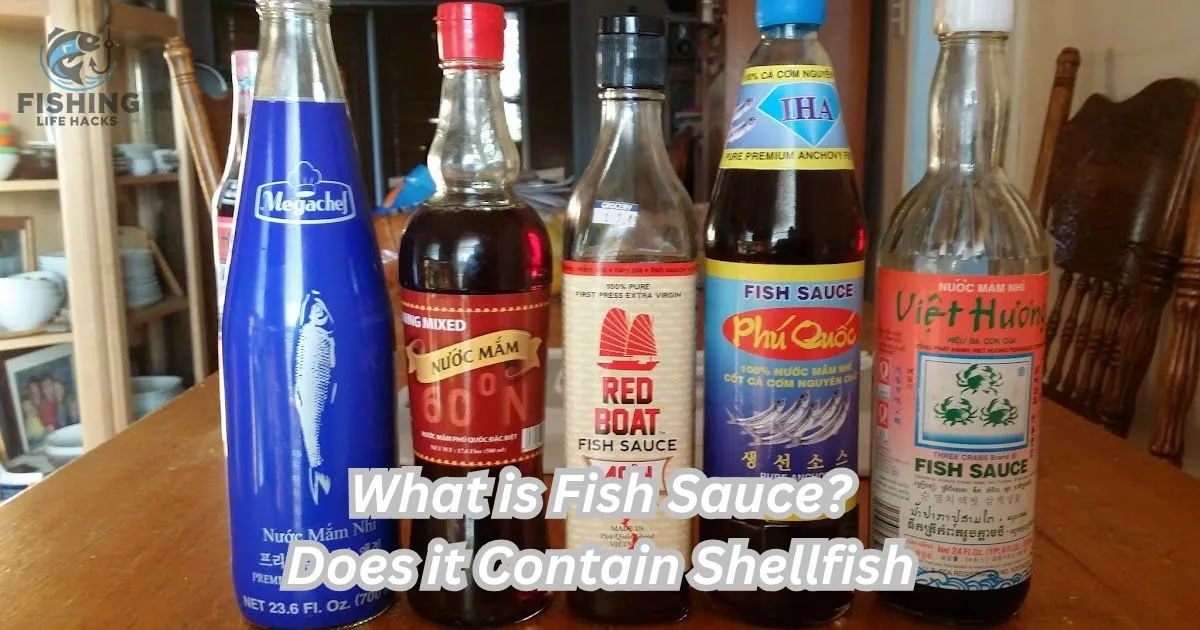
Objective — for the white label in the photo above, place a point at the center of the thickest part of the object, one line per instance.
(630, 353)
(615, 213)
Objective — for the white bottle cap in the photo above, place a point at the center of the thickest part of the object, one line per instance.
(974, 15)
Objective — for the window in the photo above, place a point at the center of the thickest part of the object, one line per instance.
(511, 79)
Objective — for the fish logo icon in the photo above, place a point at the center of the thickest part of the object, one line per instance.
(313, 385)
(74, 61)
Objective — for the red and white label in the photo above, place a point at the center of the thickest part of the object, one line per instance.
(957, 398)
(629, 342)
(475, 375)
(223, 229)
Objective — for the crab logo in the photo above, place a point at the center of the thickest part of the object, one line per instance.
(74, 61)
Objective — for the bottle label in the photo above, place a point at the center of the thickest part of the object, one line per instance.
(308, 373)
(630, 360)
(788, 118)
(224, 241)
(958, 391)
(781, 369)
(475, 375)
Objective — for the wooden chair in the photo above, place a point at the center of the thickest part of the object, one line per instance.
(1111, 185)
(1179, 369)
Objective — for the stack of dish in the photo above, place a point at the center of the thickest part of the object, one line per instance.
(141, 278)
(152, 392)
(64, 445)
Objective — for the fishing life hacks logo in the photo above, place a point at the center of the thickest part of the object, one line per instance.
(78, 64)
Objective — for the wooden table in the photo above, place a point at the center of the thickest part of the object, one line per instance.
(135, 535)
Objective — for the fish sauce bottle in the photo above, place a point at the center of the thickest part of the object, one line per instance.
(224, 203)
(307, 344)
(629, 308)
(475, 270)
(961, 308)
(785, 243)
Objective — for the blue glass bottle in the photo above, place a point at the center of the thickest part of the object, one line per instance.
(307, 339)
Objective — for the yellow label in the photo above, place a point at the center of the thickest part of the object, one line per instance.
(787, 118)
(472, 354)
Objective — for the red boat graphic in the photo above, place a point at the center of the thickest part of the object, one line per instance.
(626, 346)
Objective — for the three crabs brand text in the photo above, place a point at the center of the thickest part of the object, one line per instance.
(78, 109)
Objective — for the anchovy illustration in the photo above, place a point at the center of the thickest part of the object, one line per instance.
(830, 427)
(820, 415)
(65, 53)
(765, 414)
(741, 129)
(742, 109)
(313, 387)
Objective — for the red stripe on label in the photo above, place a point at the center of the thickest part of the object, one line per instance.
(578, 268)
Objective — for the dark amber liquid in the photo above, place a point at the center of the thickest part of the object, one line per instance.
(630, 607)
(464, 250)
(784, 218)
(968, 608)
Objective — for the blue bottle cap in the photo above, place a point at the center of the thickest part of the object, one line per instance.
(776, 12)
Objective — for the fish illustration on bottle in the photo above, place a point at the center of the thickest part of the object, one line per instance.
(742, 129)
(742, 109)
(313, 386)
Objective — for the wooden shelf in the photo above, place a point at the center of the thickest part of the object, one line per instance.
(146, 180)
(169, 306)
(25, 185)
(129, 22)
(32, 185)
(35, 341)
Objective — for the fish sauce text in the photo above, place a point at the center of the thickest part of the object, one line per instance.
(783, 294)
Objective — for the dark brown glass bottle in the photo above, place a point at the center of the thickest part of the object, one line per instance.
(785, 217)
(474, 247)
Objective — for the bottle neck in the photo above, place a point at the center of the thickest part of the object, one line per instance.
(969, 113)
(631, 122)
(297, 61)
(472, 152)
(789, 31)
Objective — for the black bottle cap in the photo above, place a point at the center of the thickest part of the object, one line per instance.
(632, 52)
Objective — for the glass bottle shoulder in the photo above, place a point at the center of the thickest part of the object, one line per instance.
(953, 222)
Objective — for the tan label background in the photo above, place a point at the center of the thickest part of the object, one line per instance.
(670, 301)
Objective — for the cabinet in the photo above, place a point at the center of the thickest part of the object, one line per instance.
(86, 209)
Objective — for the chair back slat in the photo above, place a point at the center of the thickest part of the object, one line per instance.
(1110, 186)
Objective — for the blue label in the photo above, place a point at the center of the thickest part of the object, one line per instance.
(787, 118)
(781, 369)
(307, 362)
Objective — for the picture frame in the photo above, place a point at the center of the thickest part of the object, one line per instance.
(44, 395)
(16, 246)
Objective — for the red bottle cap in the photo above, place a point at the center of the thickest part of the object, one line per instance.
(470, 30)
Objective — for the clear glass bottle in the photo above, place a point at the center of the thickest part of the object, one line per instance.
(307, 345)
(475, 268)
(961, 308)
(629, 311)
(224, 202)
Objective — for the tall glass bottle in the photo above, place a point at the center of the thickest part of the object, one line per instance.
(629, 308)
(224, 202)
(475, 273)
(307, 342)
(785, 243)
(961, 306)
